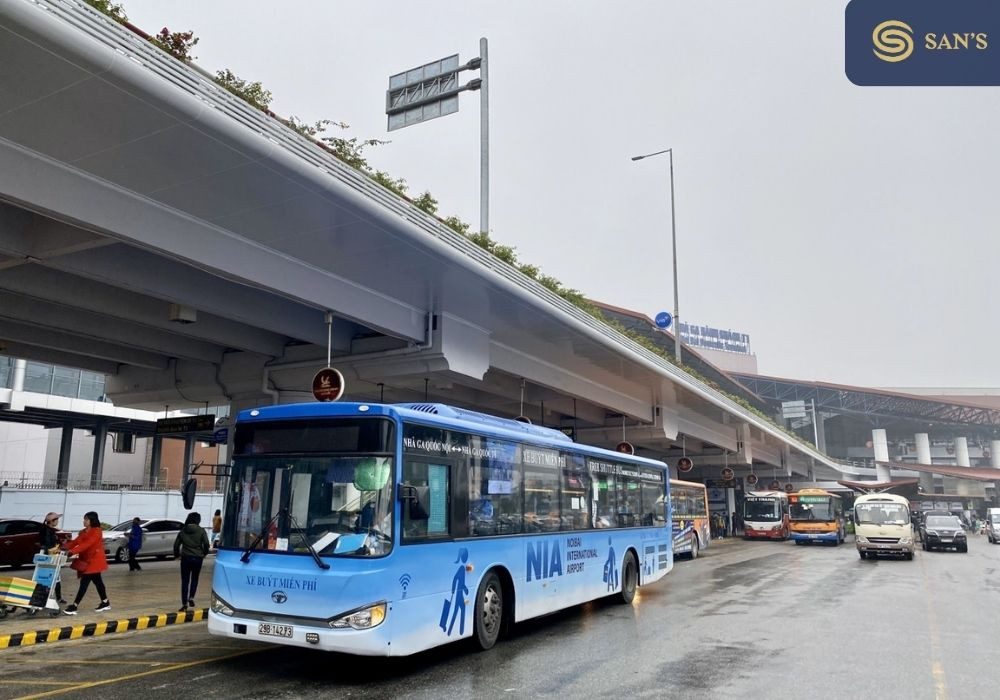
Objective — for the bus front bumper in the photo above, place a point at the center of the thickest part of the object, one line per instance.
(815, 536)
(371, 642)
(761, 534)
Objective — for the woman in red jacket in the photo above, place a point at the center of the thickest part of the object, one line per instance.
(89, 548)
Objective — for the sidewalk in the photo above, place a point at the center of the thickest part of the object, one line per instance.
(141, 600)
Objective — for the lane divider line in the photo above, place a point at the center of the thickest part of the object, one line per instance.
(97, 629)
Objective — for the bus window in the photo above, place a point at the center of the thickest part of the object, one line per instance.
(541, 500)
(629, 502)
(604, 500)
(576, 498)
(652, 504)
(495, 493)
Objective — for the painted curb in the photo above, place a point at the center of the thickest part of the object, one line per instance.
(97, 629)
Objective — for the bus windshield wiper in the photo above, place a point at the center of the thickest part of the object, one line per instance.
(260, 536)
(312, 550)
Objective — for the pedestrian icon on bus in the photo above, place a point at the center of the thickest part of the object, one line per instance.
(457, 601)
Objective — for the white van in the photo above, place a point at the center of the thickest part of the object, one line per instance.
(882, 525)
(993, 525)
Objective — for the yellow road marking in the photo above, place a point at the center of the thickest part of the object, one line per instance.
(937, 670)
(29, 638)
(87, 662)
(37, 683)
(142, 674)
(77, 632)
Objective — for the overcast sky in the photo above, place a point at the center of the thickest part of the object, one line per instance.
(850, 231)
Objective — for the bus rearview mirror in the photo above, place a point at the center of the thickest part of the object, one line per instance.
(188, 493)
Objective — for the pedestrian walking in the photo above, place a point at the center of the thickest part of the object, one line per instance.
(191, 546)
(88, 546)
(134, 544)
(216, 528)
(49, 541)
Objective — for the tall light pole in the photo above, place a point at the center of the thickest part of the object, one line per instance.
(673, 237)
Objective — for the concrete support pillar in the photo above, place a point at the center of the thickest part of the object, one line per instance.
(17, 379)
(65, 448)
(820, 432)
(924, 457)
(962, 452)
(97, 465)
(881, 444)
(995, 454)
(155, 458)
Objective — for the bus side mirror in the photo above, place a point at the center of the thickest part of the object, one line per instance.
(418, 498)
(188, 492)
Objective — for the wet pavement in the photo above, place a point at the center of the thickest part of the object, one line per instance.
(746, 620)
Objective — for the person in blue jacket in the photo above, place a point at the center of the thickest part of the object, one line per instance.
(134, 545)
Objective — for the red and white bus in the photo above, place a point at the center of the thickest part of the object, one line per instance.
(765, 515)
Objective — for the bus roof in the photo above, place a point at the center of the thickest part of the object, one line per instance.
(439, 415)
(882, 498)
(815, 492)
(680, 482)
(767, 494)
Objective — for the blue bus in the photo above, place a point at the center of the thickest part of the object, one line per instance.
(389, 529)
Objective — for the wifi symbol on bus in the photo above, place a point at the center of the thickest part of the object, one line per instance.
(404, 581)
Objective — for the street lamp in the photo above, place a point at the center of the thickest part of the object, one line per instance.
(673, 236)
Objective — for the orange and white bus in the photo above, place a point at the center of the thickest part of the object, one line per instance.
(689, 512)
(765, 515)
(816, 515)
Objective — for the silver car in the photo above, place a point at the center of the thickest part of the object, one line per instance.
(158, 535)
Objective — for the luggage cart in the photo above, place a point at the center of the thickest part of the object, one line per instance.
(38, 593)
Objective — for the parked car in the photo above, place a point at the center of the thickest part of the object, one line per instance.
(158, 535)
(19, 541)
(940, 531)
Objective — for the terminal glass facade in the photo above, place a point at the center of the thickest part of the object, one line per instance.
(42, 378)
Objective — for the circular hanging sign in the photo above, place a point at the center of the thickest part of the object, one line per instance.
(789, 488)
(752, 479)
(774, 485)
(727, 473)
(684, 465)
(663, 319)
(328, 384)
(625, 448)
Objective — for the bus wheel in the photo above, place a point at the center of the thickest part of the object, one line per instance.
(630, 578)
(489, 611)
(694, 548)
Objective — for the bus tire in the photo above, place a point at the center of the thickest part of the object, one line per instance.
(694, 548)
(630, 578)
(489, 611)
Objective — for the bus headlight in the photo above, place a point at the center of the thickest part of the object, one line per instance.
(862, 540)
(906, 540)
(221, 607)
(363, 619)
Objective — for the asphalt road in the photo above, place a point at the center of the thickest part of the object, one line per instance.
(747, 620)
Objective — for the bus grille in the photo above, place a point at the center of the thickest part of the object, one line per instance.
(884, 540)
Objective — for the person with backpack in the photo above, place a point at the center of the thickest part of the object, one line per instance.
(191, 546)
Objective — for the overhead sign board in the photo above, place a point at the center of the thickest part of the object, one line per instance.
(793, 409)
(422, 93)
(714, 338)
(204, 423)
(328, 385)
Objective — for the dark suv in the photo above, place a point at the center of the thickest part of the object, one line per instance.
(941, 531)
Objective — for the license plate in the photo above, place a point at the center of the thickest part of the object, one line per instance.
(946, 539)
(269, 630)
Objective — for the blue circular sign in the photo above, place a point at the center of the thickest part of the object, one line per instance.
(664, 319)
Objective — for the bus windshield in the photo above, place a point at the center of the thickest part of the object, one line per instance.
(761, 510)
(821, 509)
(339, 504)
(882, 514)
